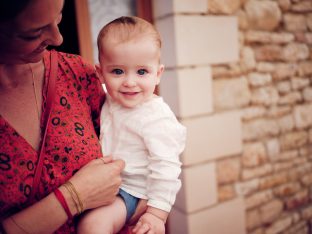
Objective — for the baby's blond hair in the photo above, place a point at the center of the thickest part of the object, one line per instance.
(127, 28)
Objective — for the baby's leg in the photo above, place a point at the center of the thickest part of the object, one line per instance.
(106, 219)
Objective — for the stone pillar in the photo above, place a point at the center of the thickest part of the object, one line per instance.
(193, 40)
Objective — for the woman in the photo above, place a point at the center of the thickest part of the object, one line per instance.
(47, 134)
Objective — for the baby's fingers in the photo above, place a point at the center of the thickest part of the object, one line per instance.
(141, 228)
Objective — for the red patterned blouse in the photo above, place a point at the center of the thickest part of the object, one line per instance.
(71, 141)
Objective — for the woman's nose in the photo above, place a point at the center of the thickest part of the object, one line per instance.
(54, 36)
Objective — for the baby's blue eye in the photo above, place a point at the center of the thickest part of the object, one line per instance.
(117, 71)
(142, 72)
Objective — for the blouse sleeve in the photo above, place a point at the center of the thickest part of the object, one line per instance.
(165, 139)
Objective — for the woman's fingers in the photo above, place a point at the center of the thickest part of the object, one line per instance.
(106, 159)
(98, 182)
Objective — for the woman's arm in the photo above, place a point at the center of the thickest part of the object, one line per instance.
(97, 184)
(45, 216)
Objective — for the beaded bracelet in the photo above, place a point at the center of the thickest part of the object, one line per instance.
(61, 199)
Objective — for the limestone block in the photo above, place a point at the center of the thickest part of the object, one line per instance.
(263, 15)
(273, 148)
(269, 37)
(247, 60)
(295, 22)
(286, 123)
(307, 212)
(196, 195)
(247, 187)
(270, 181)
(284, 70)
(304, 37)
(305, 68)
(164, 7)
(282, 166)
(309, 21)
(299, 83)
(242, 19)
(287, 189)
(178, 87)
(267, 96)
(185, 45)
(250, 173)
(258, 128)
(226, 70)
(212, 137)
(224, 6)
(278, 111)
(307, 94)
(299, 199)
(282, 224)
(259, 79)
(270, 211)
(284, 4)
(302, 116)
(302, 6)
(283, 87)
(293, 140)
(228, 170)
(295, 51)
(253, 219)
(254, 154)
(290, 98)
(231, 93)
(270, 52)
(226, 192)
(258, 198)
(225, 218)
(253, 112)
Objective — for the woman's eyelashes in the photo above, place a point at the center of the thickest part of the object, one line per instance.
(30, 37)
(38, 33)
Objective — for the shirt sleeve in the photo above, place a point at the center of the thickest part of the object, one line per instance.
(165, 140)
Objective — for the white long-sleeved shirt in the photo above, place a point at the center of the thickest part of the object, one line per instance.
(149, 139)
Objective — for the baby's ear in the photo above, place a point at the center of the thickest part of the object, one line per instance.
(99, 72)
(160, 71)
(98, 69)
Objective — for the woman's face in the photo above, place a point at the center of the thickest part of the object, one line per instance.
(24, 39)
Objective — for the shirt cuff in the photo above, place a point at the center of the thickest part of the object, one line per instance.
(159, 205)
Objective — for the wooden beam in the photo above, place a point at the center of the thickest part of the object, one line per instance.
(84, 30)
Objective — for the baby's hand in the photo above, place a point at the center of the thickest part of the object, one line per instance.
(149, 224)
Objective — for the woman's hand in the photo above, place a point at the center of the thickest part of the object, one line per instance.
(98, 182)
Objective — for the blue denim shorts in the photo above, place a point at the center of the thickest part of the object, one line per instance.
(130, 201)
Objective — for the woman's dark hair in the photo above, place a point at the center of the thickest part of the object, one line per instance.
(9, 9)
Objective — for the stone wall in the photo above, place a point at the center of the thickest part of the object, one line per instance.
(271, 85)
(239, 77)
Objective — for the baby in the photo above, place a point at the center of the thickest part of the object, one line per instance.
(138, 127)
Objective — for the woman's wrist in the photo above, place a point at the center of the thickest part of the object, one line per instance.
(60, 197)
(69, 200)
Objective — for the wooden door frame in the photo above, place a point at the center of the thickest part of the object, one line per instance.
(84, 30)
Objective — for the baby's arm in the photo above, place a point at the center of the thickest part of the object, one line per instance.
(152, 221)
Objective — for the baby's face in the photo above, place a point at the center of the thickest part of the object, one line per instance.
(131, 71)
